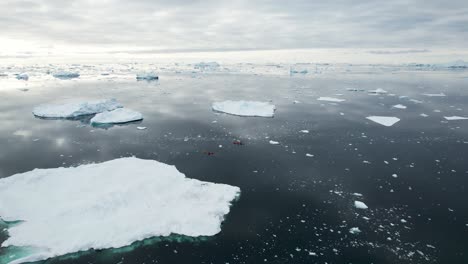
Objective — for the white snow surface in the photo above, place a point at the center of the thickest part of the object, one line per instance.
(245, 108)
(108, 205)
(331, 99)
(74, 109)
(66, 75)
(384, 120)
(451, 118)
(117, 116)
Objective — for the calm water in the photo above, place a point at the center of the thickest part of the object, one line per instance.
(293, 208)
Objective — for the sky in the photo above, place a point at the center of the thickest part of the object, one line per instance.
(29, 26)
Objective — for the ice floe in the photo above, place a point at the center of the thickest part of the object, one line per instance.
(117, 116)
(272, 142)
(384, 120)
(206, 65)
(107, 205)
(245, 108)
(66, 75)
(74, 109)
(451, 118)
(360, 205)
(331, 99)
(434, 95)
(147, 76)
(354, 230)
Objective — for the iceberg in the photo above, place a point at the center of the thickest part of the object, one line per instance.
(378, 91)
(360, 205)
(22, 76)
(434, 95)
(399, 106)
(107, 205)
(66, 75)
(384, 120)
(117, 116)
(69, 110)
(451, 118)
(149, 76)
(331, 99)
(245, 108)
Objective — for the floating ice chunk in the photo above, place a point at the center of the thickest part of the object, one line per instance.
(245, 108)
(141, 128)
(309, 155)
(424, 115)
(416, 101)
(384, 120)
(66, 75)
(107, 205)
(354, 230)
(22, 76)
(435, 95)
(75, 109)
(378, 91)
(399, 106)
(147, 76)
(360, 205)
(304, 131)
(117, 116)
(272, 142)
(331, 99)
(451, 118)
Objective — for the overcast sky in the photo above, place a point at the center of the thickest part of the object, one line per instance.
(231, 25)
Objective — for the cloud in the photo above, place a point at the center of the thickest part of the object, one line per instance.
(229, 25)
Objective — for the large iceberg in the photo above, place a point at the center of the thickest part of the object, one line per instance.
(66, 75)
(245, 108)
(107, 205)
(74, 109)
(117, 116)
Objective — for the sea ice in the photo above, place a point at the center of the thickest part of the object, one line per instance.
(272, 142)
(66, 75)
(399, 106)
(434, 95)
(451, 118)
(384, 120)
(245, 108)
(354, 230)
(68, 110)
(147, 76)
(107, 205)
(360, 205)
(206, 65)
(117, 116)
(331, 99)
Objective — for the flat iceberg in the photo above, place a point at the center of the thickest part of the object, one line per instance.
(107, 205)
(360, 205)
(117, 116)
(451, 118)
(245, 108)
(147, 76)
(384, 120)
(434, 95)
(378, 91)
(399, 106)
(331, 99)
(66, 75)
(69, 110)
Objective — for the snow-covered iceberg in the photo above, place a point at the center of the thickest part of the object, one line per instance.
(107, 205)
(117, 116)
(452, 118)
(74, 109)
(384, 120)
(245, 108)
(66, 75)
(147, 76)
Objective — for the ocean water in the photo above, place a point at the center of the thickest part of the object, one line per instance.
(293, 208)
